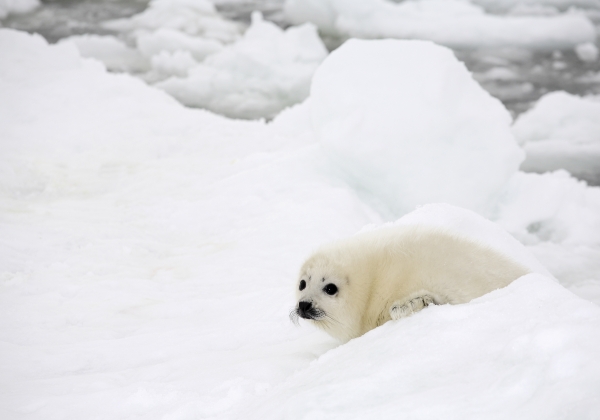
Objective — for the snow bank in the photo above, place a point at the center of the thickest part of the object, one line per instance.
(525, 351)
(405, 121)
(138, 243)
(193, 17)
(148, 257)
(8, 7)
(115, 54)
(453, 23)
(267, 70)
(562, 131)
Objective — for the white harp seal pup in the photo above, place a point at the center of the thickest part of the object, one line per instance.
(353, 285)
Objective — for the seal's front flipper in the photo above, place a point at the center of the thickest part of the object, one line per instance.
(404, 308)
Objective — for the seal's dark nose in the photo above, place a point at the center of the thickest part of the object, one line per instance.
(304, 308)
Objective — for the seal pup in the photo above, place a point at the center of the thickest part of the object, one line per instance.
(353, 285)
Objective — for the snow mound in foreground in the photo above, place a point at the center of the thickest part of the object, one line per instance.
(454, 23)
(8, 7)
(562, 131)
(266, 71)
(525, 351)
(138, 243)
(405, 121)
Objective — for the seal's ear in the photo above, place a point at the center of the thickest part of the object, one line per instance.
(347, 279)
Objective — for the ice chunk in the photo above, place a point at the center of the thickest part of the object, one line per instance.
(111, 51)
(405, 122)
(505, 5)
(177, 63)
(264, 72)
(194, 17)
(171, 40)
(8, 7)
(562, 131)
(454, 23)
(587, 52)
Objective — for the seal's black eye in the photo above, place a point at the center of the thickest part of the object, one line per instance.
(330, 289)
(302, 285)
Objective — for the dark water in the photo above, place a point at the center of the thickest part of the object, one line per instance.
(523, 76)
(57, 19)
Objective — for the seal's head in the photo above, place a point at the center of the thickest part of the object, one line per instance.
(324, 297)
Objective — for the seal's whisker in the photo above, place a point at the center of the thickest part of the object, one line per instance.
(294, 316)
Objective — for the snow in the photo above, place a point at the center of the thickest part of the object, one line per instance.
(504, 5)
(149, 251)
(558, 218)
(515, 349)
(188, 50)
(193, 17)
(115, 54)
(562, 131)
(587, 52)
(8, 7)
(258, 76)
(171, 40)
(388, 112)
(454, 23)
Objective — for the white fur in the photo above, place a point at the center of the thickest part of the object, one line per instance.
(395, 271)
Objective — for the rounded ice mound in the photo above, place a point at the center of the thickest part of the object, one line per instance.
(405, 121)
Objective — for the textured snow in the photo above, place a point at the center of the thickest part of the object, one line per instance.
(562, 131)
(149, 251)
(455, 23)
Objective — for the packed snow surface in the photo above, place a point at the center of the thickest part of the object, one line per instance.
(562, 131)
(149, 253)
(455, 23)
(405, 120)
